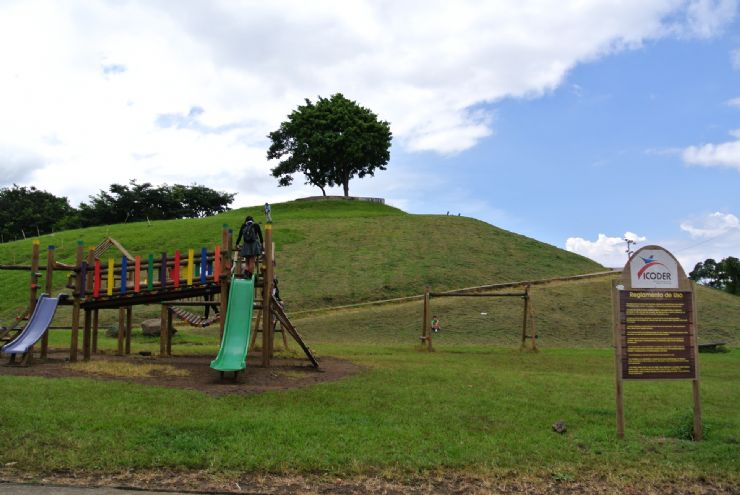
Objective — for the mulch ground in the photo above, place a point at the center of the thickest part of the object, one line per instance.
(282, 374)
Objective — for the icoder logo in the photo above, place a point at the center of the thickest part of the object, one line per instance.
(654, 269)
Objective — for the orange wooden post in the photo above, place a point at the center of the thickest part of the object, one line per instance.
(216, 263)
(137, 274)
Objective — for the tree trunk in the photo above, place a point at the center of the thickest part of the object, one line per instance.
(345, 184)
(322, 191)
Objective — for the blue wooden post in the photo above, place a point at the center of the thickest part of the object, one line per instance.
(124, 269)
(203, 265)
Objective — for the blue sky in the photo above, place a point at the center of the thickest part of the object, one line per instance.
(602, 153)
(572, 122)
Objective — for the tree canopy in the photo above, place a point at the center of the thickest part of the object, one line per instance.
(26, 211)
(136, 202)
(330, 142)
(30, 211)
(724, 275)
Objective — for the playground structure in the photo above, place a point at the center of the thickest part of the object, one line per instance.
(179, 279)
(527, 314)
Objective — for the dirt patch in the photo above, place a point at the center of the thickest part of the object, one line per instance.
(450, 483)
(192, 372)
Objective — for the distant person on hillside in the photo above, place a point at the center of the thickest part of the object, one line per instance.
(251, 233)
(436, 327)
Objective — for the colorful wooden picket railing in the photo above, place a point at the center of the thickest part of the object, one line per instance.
(122, 277)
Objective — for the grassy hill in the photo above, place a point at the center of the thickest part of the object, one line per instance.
(567, 315)
(333, 252)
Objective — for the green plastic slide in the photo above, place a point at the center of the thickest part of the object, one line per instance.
(233, 353)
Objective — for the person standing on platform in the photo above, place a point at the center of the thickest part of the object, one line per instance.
(251, 233)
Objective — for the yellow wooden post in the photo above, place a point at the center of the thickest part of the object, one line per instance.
(191, 259)
(111, 280)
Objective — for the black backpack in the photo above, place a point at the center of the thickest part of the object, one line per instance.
(249, 234)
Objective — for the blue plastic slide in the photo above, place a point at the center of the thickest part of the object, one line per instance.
(38, 324)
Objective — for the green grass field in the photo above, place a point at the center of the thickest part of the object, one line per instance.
(483, 410)
(476, 406)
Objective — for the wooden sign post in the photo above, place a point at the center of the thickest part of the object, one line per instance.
(654, 314)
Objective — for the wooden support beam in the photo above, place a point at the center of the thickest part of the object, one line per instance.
(427, 328)
(74, 339)
(95, 330)
(86, 336)
(163, 331)
(169, 332)
(129, 315)
(48, 289)
(121, 329)
(267, 298)
(524, 317)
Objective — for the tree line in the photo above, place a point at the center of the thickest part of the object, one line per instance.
(28, 211)
(724, 275)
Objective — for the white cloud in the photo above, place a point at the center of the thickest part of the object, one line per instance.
(734, 102)
(715, 155)
(86, 84)
(609, 251)
(705, 17)
(711, 225)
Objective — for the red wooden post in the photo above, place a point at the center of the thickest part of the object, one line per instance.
(96, 283)
(176, 269)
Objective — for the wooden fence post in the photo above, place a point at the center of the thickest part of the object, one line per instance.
(76, 304)
(48, 289)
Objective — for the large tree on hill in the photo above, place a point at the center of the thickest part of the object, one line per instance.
(330, 142)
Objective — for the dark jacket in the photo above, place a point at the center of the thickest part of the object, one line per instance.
(253, 248)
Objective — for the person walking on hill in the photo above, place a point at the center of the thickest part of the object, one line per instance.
(251, 233)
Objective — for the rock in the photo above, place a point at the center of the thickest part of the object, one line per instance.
(151, 328)
(559, 427)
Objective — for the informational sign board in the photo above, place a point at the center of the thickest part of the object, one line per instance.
(657, 334)
(654, 314)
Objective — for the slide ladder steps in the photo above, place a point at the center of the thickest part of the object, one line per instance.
(193, 319)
